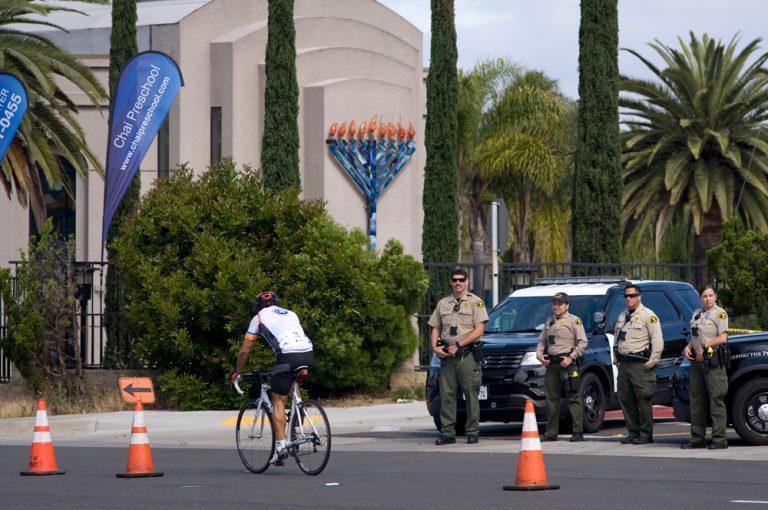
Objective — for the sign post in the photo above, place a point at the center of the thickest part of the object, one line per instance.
(498, 229)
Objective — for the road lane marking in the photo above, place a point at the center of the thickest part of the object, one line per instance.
(749, 502)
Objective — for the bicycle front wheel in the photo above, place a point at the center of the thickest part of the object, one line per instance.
(310, 435)
(255, 437)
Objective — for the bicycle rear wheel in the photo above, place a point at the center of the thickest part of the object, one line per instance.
(311, 432)
(255, 437)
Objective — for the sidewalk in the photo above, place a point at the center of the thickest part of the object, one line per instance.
(204, 429)
(405, 427)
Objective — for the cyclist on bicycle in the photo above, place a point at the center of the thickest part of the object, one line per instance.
(282, 330)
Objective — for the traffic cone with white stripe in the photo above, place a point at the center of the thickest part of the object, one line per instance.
(42, 460)
(140, 463)
(531, 473)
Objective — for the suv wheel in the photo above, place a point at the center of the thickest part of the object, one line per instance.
(750, 411)
(593, 401)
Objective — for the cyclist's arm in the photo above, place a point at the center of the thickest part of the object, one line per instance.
(242, 357)
(250, 338)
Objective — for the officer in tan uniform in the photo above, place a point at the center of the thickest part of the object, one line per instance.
(457, 324)
(637, 350)
(709, 380)
(562, 343)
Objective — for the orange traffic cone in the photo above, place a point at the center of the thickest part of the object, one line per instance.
(42, 461)
(140, 463)
(531, 473)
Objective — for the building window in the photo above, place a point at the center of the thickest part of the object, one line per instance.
(215, 134)
(163, 152)
(59, 204)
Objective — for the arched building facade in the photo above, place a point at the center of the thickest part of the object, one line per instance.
(355, 59)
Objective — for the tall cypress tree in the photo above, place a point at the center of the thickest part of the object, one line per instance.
(280, 142)
(597, 184)
(122, 47)
(440, 237)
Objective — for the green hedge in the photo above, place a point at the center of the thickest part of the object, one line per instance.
(199, 251)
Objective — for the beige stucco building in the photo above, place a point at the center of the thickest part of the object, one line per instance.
(355, 59)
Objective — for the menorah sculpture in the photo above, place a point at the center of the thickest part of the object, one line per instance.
(372, 158)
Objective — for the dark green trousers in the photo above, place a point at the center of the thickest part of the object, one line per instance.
(708, 390)
(636, 386)
(457, 376)
(553, 384)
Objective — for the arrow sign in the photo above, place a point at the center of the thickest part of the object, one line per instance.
(131, 390)
(137, 388)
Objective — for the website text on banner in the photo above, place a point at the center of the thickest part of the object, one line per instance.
(146, 89)
(13, 105)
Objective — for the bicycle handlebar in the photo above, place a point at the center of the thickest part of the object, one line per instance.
(263, 376)
(237, 386)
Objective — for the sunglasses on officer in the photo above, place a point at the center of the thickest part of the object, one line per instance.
(457, 280)
(630, 296)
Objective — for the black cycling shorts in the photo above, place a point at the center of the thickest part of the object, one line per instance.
(282, 372)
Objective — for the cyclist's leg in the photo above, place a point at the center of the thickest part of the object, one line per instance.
(278, 402)
(282, 378)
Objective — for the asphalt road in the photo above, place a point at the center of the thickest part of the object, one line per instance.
(383, 457)
(212, 479)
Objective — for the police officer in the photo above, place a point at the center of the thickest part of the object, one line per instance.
(457, 323)
(561, 343)
(709, 381)
(637, 350)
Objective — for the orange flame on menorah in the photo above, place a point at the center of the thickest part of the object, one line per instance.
(371, 130)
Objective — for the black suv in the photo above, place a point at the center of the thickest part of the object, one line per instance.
(747, 399)
(512, 373)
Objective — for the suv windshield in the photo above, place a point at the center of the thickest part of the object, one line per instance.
(528, 314)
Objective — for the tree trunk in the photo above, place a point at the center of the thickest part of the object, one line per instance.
(710, 236)
(478, 235)
(521, 249)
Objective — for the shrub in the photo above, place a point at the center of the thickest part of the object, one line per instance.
(740, 263)
(41, 337)
(199, 251)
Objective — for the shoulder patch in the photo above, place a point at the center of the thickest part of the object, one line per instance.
(653, 319)
(722, 315)
(578, 322)
(480, 303)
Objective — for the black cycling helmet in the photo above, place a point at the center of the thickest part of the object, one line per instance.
(265, 299)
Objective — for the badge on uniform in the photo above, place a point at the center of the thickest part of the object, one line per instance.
(722, 315)
(653, 319)
(480, 304)
(578, 322)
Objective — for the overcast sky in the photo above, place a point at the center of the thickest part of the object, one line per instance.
(544, 34)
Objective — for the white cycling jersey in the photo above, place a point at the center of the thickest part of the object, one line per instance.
(281, 329)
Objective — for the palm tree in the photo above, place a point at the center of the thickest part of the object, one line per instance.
(695, 145)
(527, 152)
(479, 89)
(49, 130)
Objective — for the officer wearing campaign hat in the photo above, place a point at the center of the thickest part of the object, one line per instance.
(561, 345)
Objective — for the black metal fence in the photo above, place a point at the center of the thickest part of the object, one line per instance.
(517, 276)
(90, 329)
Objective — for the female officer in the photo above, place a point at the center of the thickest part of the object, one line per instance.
(709, 382)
